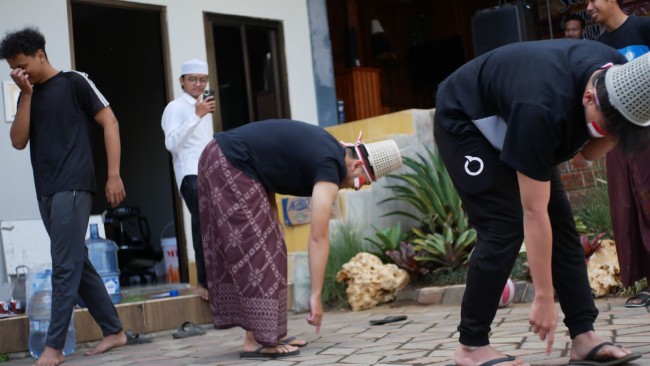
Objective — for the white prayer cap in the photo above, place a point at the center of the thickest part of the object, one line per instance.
(194, 66)
(628, 86)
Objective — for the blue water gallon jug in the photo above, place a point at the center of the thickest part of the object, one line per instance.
(39, 313)
(103, 255)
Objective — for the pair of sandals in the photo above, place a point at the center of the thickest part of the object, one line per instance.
(641, 299)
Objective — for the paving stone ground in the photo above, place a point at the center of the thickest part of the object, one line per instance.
(427, 337)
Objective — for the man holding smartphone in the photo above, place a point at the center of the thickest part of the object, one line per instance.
(187, 124)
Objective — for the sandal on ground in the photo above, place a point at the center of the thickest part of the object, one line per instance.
(188, 329)
(388, 319)
(133, 338)
(592, 360)
(644, 296)
(259, 354)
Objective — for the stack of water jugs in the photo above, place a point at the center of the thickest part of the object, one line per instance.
(103, 255)
(39, 306)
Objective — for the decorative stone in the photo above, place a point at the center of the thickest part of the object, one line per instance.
(604, 272)
(370, 282)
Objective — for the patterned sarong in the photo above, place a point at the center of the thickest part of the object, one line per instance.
(244, 248)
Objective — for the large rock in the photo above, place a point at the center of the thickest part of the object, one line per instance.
(604, 272)
(370, 282)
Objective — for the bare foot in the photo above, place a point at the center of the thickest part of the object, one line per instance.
(50, 357)
(108, 342)
(202, 292)
(583, 343)
(251, 345)
(294, 341)
(472, 356)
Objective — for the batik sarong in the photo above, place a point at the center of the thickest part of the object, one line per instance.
(244, 248)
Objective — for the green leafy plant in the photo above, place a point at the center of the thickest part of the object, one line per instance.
(444, 237)
(345, 243)
(449, 250)
(392, 249)
(387, 240)
(4, 357)
(429, 190)
(595, 214)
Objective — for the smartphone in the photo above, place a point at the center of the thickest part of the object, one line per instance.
(208, 93)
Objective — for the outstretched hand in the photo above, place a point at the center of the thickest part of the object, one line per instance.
(543, 318)
(315, 316)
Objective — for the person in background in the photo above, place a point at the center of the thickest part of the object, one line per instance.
(574, 26)
(56, 112)
(187, 124)
(503, 122)
(240, 171)
(628, 176)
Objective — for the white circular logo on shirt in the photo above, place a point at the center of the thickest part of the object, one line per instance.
(471, 159)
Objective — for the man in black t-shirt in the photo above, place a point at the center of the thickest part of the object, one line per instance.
(56, 110)
(503, 122)
(240, 172)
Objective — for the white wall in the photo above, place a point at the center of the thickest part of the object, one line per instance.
(17, 192)
(186, 41)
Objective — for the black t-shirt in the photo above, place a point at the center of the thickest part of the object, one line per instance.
(526, 99)
(61, 120)
(631, 39)
(285, 156)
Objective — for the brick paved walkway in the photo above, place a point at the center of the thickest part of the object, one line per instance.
(427, 337)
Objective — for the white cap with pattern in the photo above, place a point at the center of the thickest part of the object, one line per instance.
(384, 157)
(628, 86)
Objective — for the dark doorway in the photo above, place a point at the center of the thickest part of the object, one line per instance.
(251, 75)
(122, 51)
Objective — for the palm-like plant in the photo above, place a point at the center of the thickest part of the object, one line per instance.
(387, 240)
(444, 234)
(448, 251)
(430, 191)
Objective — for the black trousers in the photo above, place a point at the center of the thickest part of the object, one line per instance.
(65, 215)
(190, 193)
(489, 191)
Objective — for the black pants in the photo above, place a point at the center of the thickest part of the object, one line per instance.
(65, 215)
(489, 191)
(190, 193)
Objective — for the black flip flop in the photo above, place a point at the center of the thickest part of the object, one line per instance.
(259, 354)
(644, 296)
(592, 360)
(388, 319)
(133, 338)
(188, 329)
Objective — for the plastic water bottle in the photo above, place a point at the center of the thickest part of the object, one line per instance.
(39, 313)
(103, 255)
